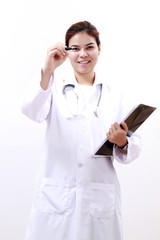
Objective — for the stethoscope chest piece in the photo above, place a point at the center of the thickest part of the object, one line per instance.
(97, 112)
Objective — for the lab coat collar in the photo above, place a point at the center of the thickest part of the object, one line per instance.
(71, 80)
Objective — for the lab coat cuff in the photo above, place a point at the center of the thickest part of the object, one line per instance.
(134, 149)
(119, 156)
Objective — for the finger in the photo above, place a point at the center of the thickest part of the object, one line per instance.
(125, 127)
(108, 136)
(116, 126)
(63, 54)
(112, 130)
(62, 50)
(56, 46)
(57, 54)
(113, 127)
(55, 49)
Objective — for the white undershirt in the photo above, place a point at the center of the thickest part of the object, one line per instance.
(86, 91)
(87, 102)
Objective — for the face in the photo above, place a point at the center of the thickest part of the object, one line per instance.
(85, 52)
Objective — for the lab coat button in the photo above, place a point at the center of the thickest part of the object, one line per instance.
(80, 164)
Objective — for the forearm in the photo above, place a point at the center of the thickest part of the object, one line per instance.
(45, 79)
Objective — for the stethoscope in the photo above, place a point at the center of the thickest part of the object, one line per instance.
(69, 87)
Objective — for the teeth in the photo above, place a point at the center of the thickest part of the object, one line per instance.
(84, 62)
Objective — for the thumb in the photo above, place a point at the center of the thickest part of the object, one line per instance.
(124, 125)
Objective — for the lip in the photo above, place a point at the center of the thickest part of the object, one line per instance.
(84, 62)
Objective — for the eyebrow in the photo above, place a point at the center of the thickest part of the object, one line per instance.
(91, 43)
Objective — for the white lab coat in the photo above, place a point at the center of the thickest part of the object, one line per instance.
(77, 195)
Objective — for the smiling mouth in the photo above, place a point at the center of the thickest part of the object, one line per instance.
(84, 62)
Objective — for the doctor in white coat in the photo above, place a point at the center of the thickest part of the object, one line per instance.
(77, 195)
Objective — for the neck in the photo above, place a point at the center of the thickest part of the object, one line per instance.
(85, 79)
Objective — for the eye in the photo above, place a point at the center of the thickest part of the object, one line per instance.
(75, 49)
(90, 47)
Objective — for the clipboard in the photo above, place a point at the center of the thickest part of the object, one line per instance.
(134, 120)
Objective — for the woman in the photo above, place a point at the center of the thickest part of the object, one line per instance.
(77, 195)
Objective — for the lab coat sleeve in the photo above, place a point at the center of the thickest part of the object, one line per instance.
(134, 149)
(36, 101)
(134, 141)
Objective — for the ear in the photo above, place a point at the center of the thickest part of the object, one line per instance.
(99, 48)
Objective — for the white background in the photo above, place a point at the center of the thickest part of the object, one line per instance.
(130, 36)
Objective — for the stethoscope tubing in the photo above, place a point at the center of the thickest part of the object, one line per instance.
(69, 86)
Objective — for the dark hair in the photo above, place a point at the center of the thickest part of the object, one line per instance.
(80, 27)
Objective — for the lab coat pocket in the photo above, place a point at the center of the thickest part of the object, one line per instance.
(102, 200)
(53, 196)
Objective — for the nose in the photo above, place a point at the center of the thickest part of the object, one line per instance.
(83, 53)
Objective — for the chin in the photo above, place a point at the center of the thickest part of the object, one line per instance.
(83, 72)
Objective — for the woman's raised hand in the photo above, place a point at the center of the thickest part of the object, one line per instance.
(56, 55)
